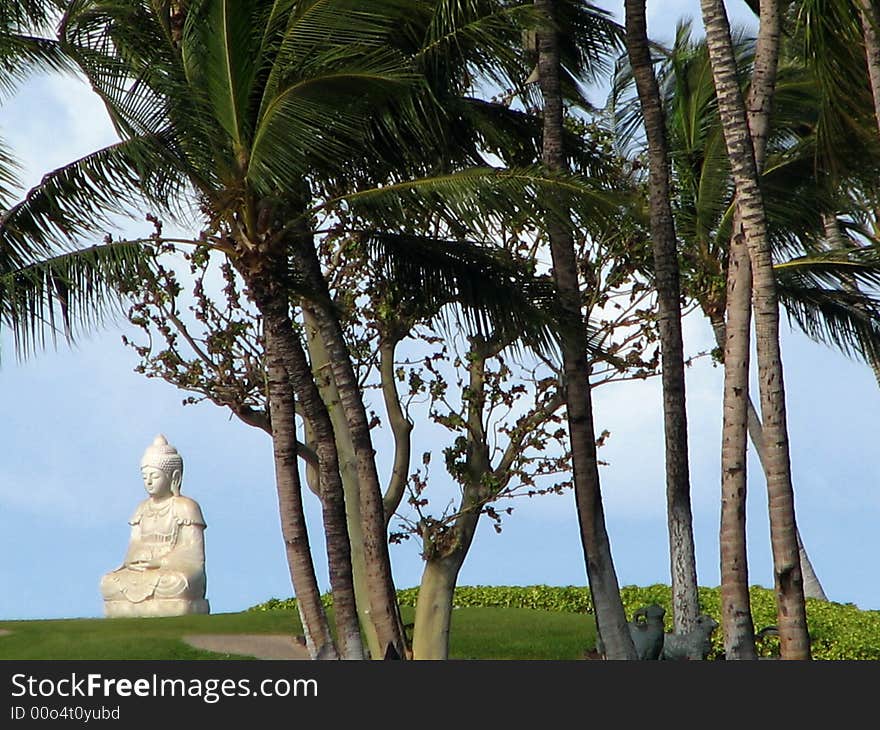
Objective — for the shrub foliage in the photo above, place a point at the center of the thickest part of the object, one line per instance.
(837, 630)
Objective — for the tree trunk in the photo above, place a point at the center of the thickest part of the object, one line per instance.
(610, 617)
(870, 27)
(444, 551)
(401, 429)
(812, 585)
(384, 610)
(434, 608)
(737, 621)
(293, 525)
(794, 638)
(736, 613)
(266, 281)
(685, 597)
(339, 557)
(320, 363)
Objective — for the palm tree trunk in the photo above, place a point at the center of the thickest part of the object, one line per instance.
(320, 364)
(605, 590)
(683, 568)
(870, 26)
(384, 610)
(734, 338)
(812, 584)
(266, 282)
(336, 537)
(794, 639)
(293, 525)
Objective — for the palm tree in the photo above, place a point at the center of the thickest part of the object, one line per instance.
(226, 106)
(261, 118)
(837, 41)
(605, 590)
(685, 600)
(799, 183)
(803, 188)
(745, 139)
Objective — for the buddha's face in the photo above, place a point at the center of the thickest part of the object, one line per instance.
(156, 482)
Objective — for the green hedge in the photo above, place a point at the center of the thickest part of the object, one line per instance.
(837, 631)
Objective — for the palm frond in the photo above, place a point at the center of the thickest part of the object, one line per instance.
(481, 37)
(9, 169)
(76, 199)
(33, 14)
(23, 55)
(827, 40)
(66, 295)
(834, 298)
(592, 39)
(320, 35)
(496, 295)
(220, 50)
(835, 267)
(480, 200)
(318, 121)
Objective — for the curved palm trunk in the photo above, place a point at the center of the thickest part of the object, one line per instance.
(610, 617)
(266, 282)
(336, 536)
(734, 339)
(293, 525)
(685, 597)
(320, 364)
(812, 584)
(384, 610)
(791, 611)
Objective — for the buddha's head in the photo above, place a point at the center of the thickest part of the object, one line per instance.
(162, 468)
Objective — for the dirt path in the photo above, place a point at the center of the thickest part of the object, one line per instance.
(258, 646)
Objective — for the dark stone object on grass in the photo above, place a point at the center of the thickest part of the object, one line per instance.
(646, 630)
(694, 645)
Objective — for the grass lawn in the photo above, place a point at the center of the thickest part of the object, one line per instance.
(477, 633)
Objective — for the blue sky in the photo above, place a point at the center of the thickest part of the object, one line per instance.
(76, 421)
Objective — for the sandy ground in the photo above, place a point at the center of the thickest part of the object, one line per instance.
(258, 646)
(4, 632)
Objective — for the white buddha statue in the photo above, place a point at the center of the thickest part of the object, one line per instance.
(163, 573)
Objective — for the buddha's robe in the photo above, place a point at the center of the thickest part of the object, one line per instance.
(170, 533)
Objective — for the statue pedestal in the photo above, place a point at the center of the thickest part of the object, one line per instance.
(154, 607)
